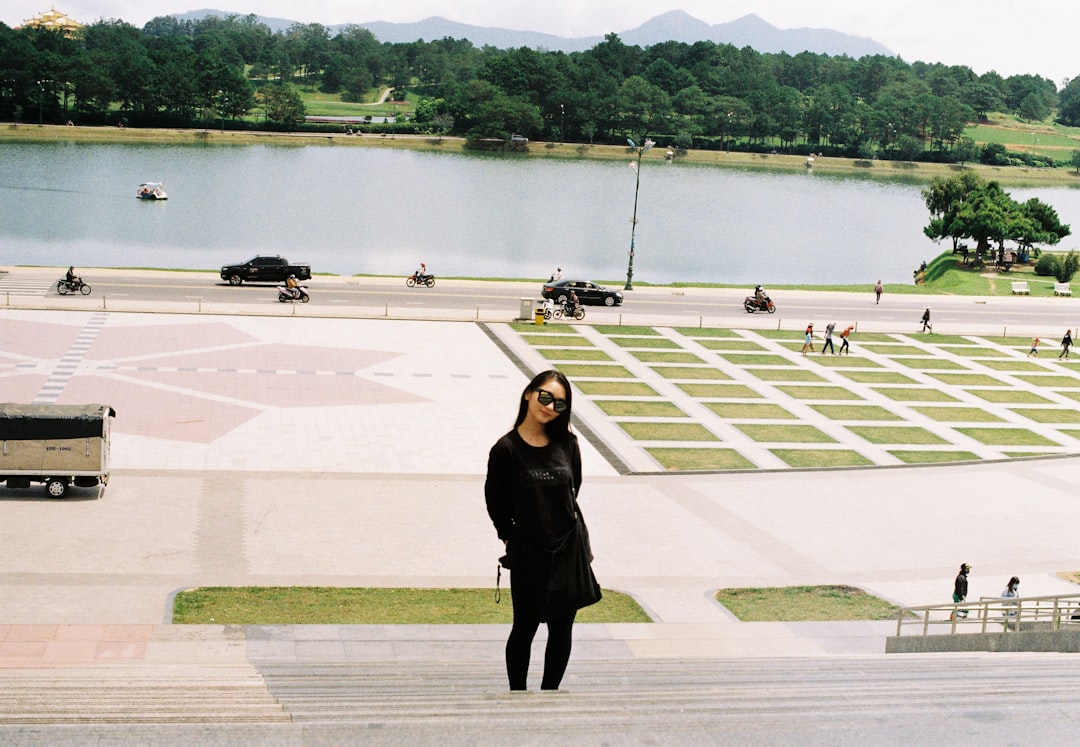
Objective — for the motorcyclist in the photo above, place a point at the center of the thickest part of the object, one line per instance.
(761, 298)
(422, 273)
(293, 285)
(572, 303)
(549, 308)
(71, 277)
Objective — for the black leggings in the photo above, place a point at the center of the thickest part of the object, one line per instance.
(556, 655)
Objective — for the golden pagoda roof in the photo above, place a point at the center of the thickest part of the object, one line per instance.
(54, 20)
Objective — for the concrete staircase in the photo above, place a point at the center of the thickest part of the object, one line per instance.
(136, 694)
(425, 693)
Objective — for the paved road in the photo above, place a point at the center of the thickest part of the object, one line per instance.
(1046, 317)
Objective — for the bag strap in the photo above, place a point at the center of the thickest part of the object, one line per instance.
(498, 578)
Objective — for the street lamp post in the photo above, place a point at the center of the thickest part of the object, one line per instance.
(641, 150)
(562, 126)
(41, 100)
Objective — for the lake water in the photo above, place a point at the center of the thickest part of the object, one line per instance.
(353, 210)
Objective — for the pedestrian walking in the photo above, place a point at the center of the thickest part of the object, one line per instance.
(828, 338)
(1034, 348)
(844, 339)
(960, 590)
(1066, 343)
(533, 476)
(926, 320)
(877, 292)
(808, 339)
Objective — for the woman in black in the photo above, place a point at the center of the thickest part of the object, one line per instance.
(534, 472)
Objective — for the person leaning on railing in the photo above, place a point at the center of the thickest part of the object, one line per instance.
(1012, 591)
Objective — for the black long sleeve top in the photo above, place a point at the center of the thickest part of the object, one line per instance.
(528, 488)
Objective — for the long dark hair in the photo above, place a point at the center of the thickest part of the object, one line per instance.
(559, 428)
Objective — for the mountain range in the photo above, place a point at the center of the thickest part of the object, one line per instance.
(675, 25)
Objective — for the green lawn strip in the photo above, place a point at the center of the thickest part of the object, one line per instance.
(574, 354)
(645, 342)
(879, 434)
(639, 409)
(750, 411)
(322, 605)
(855, 412)
(691, 372)
(1010, 396)
(797, 336)
(719, 391)
(660, 356)
(818, 392)
(931, 364)
(750, 359)
(806, 458)
(668, 432)
(934, 339)
(966, 379)
(958, 414)
(868, 337)
(914, 394)
(1051, 381)
(612, 329)
(974, 351)
(547, 329)
(779, 334)
(1006, 436)
(1012, 365)
(785, 374)
(844, 361)
(1070, 395)
(615, 389)
(796, 347)
(564, 341)
(805, 604)
(878, 377)
(934, 456)
(585, 370)
(785, 433)
(1029, 454)
(722, 344)
(895, 349)
(699, 459)
(706, 332)
(1049, 415)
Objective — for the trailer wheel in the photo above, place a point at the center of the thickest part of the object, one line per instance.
(56, 487)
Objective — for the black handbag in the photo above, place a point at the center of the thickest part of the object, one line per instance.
(571, 582)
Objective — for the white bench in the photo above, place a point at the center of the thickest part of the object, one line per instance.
(1062, 289)
(1020, 288)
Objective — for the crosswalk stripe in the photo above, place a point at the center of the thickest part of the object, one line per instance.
(26, 286)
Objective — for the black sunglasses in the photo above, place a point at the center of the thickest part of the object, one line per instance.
(545, 398)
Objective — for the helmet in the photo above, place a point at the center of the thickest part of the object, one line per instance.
(292, 277)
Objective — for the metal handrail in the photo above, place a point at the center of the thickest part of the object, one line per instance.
(1009, 612)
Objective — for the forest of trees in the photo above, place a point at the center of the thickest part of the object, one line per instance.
(701, 95)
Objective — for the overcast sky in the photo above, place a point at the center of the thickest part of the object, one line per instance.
(1010, 36)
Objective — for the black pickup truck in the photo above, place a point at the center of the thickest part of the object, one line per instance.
(264, 270)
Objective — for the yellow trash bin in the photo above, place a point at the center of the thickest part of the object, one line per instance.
(539, 314)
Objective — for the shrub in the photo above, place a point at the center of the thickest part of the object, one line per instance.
(1048, 265)
(1067, 267)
